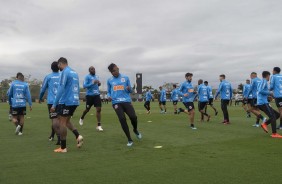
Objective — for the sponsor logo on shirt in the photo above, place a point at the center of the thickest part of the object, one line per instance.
(118, 88)
(122, 79)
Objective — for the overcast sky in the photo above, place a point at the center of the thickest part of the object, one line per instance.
(161, 39)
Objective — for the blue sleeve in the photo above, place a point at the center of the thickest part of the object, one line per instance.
(61, 88)
(128, 84)
(28, 96)
(208, 91)
(251, 89)
(218, 90)
(43, 88)
(87, 83)
(261, 89)
(10, 94)
(272, 83)
(180, 90)
(109, 88)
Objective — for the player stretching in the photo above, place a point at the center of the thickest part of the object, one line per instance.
(210, 99)
(174, 98)
(203, 94)
(148, 100)
(162, 100)
(247, 96)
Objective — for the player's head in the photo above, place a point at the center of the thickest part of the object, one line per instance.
(160, 87)
(206, 83)
(92, 70)
(189, 76)
(222, 77)
(200, 81)
(174, 86)
(20, 76)
(266, 75)
(248, 81)
(54, 66)
(253, 75)
(276, 70)
(114, 69)
(62, 63)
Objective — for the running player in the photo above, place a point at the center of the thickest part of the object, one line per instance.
(186, 90)
(119, 90)
(148, 100)
(276, 87)
(174, 98)
(225, 91)
(19, 94)
(92, 83)
(203, 95)
(247, 96)
(67, 100)
(263, 105)
(210, 99)
(51, 82)
(162, 100)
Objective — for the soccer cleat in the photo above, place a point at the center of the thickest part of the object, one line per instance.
(81, 122)
(179, 110)
(193, 128)
(148, 112)
(17, 129)
(20, 133)
(10, 117)
(264, 127)
(79, 141)
(279, 128)
(226, 123)
(139, 135)
(60, 150)
(256, 125)
(276, 135)
(129, 144)
(99, 129)
(51, 138)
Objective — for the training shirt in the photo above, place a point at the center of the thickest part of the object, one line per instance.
(163, 95)
(148, 96)
(174, 95)
(246, 91)
(203, 93)
(263, 92)
(117, 89)
(225, 90)
(51, 82)
(92, 89)
(276, 85)
(19, 94)
(254, 86)
(187, 88)
(210, 91)
(68, 91)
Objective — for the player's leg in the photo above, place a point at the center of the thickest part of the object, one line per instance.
(224, 104)
(89, 103)
(191, 114)
(130, 111)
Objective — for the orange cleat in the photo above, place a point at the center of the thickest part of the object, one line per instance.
(264, 127)
(276, 135)
(60, 150)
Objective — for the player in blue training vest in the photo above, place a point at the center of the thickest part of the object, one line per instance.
(174, 98)
(162, 100)
(186, 90)
(246, 96)
(252, 99)
(119, 90)
(203, 95)
(210, 99)
(51, 82)
(276, 87)
(148, 98)
(225, 90)
(19, 94)
(263, 105)
(67, 100)
(91, 84)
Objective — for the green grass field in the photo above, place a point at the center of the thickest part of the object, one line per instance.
(215, 153)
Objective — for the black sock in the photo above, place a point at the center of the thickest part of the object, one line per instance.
(99, 124)
(75, 132)
(63, 144)
(161, 109)
(260, 117)
(192, 125)
(257, 122)
(52, 133)
(21, 129)
(181, 110)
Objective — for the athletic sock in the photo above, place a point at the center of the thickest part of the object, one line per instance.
(63, 144)
(75, 132)
(192, 125)
(59, 140)
(99, 124)
(53, 133)
(181, 110)
(257, 122)
(21, 129)
(260, 117)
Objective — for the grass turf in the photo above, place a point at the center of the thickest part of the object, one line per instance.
(215, 153)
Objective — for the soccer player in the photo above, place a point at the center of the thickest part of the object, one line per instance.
(119, 90)
(162, 100)
(247, 96)
(203, 95)
(67, 100)
(148, 100)
(92, 83)
(225, 91)
(174, 97)
(255, 81)
(210, 99)
(19, 94)
(276, 87)
(263, 105)
(51, 82)
(10, 109)
(186, 90)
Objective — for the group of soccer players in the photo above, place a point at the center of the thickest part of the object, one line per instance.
(63, 99)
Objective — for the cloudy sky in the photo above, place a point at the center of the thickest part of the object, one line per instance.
(163, 39)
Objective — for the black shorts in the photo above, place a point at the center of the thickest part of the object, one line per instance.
(10, 110)
(18, 111)
(52, 115)
(147, 103)
(189, 106)
(253, 102)
(278, 102)
(64, 110)
(124, 108)
(174, 102)
(162, 103)
(202, 105)
(245, 101)
(210, 101)
(93, 100)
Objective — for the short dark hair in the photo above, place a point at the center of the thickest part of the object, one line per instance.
(19, 74)
(200, 81)
(206, 82)
(265, 74)
(54, 66)
(248, 80)
(188, 74)
(111, 67)
(253, 73)
(63, 60)
(174, 85)
(277, 69)
(222, 75)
